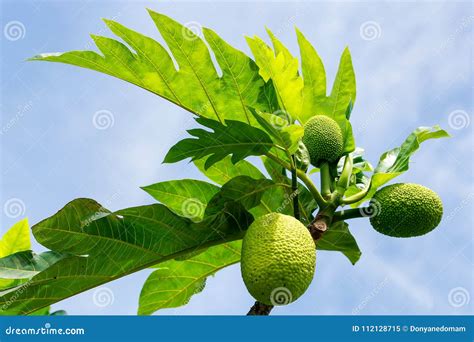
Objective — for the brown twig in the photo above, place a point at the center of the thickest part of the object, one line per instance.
(260, 309)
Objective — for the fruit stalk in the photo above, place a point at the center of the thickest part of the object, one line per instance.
(294, 189)
(349, 214)
(325, 181)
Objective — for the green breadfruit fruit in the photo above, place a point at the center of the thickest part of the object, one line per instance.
(323, 139)
(278, 259)
(405, 210)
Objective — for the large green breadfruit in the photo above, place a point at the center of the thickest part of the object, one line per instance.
(323, 139)
(278, 259)
(405, 210)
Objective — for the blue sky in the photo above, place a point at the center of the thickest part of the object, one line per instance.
(413, 68)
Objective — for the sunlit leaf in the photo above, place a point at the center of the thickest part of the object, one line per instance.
(196, 86)
(396, 161)
(184, 196)
(314, 77)
(282, 69)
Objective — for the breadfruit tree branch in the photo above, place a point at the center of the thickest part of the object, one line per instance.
(350, 214)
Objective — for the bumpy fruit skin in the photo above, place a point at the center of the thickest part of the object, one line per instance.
(323, 139)
(406, 210)
(278, 259)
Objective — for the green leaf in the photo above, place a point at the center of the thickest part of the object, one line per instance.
(349, 142)
(105, 246)
(302, 158)
(396, 161)
(196, 86)
(342, 98)
(268, 97)
(26, 264)
(185, 197)
(16, 239)
(282, 69)
(235, 138)
(339, 238)
(175, 282)
(240, 78)
(224, 170)
(285, 135)
(242, 189)
(343, 93)
(359, 182)
(360, 164)
(314, 77)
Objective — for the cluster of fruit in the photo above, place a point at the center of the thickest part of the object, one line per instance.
(278, 252)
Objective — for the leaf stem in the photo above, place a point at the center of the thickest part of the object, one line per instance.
(325, 181)
(312, 188)
(304, 178)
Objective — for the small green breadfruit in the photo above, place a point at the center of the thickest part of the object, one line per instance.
(405, 210)
(278, 259)
(323, 139)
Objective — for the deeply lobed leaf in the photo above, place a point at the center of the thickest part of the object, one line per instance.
(195, 86)
(235, 138)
